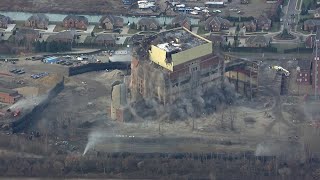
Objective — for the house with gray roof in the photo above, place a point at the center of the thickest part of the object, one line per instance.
(26, 35)
(37, 21)
(110, 22)
(65, 36)
(216, 23)
(257, 41)
(311, 24)
(263, 23)
(148, 24)
(104, 40)
(76, 22)
(181, 20)
(4, 21)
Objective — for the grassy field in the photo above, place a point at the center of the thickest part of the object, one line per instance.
(300, 29)
(201, 30)
(133, 31)
(59, 28)
(282, 47)
(19, 24)
(97, 29)
(275, 27)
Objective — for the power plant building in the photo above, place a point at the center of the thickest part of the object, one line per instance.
(178, 63)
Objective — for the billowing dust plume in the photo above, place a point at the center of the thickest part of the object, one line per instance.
(187, 106)
(28, 102)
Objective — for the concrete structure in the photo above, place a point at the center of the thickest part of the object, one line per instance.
(182, 63)
(303, 72)
(119, 109)
(9, 96)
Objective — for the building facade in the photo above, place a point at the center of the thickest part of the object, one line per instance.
(77, 22)
(38, 21)
(9, 96)
(4, 21)
(177, 69)
(110, 22)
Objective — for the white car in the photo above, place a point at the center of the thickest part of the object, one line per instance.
(197, 8)
(205, 10)
(194, 12)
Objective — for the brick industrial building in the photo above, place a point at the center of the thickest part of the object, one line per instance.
(178, 63)
(9, 96)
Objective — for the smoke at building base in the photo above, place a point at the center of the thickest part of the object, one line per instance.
(184, 107)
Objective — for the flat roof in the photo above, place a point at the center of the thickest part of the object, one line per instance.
(177, 40)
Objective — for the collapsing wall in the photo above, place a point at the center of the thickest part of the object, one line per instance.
(156, 92)
(119, 106)
(26, 118)
(148, 80)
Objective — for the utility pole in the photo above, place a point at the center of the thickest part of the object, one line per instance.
(316, 71)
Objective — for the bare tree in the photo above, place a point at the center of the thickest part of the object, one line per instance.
(232, 117)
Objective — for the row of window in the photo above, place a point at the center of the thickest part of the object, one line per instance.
(304, 79)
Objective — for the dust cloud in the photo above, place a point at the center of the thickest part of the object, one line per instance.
(194, 105)
(28, 102)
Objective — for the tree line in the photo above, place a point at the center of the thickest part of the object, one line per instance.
(52, 46)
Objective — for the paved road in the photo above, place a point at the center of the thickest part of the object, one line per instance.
(290, 11)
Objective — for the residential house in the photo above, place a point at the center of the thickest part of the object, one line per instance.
(110, 22)
(217, 40)
(215, 23)
(310, 40)
(148, 24)
(311, 24)
(181, 21)
(263, 23)
(77, 22)
(37, 21)
(65, 36)
(303, 72)
(26, 35)
(317, 13)
(104, 40)
(250, 26)
(257, 41)
(4, 21)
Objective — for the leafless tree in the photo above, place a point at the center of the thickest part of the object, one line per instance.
(232, 117)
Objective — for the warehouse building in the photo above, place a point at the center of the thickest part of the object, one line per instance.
(9, 96)
(178, 63)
